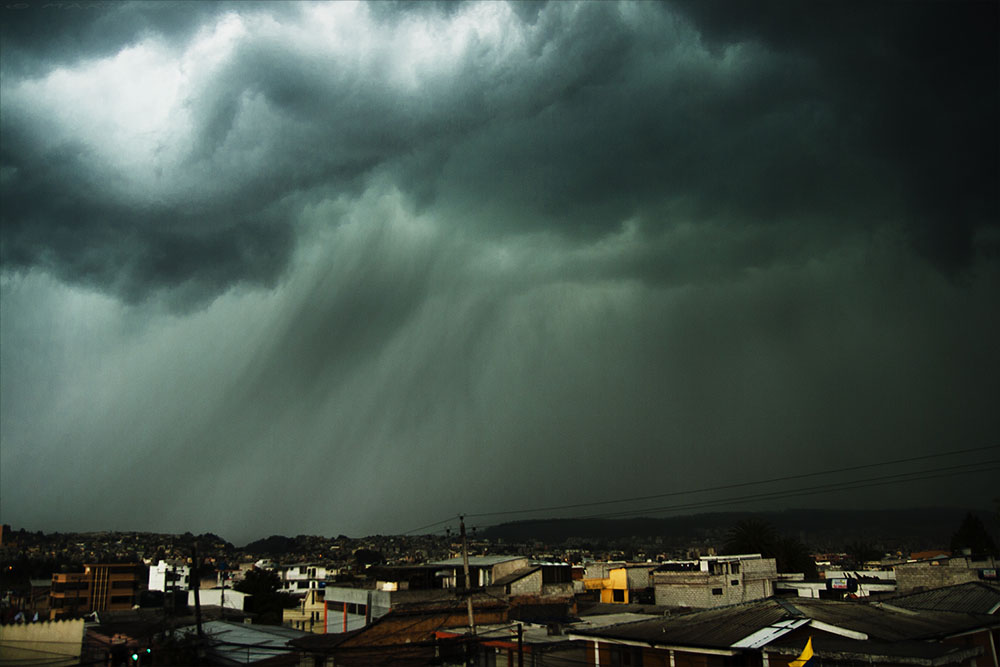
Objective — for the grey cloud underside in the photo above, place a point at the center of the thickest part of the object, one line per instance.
(596, 118)
(649, 246)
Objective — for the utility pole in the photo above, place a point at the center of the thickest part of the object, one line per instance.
(196, 580)
(468, 591)
(520, 645)
(468, 581)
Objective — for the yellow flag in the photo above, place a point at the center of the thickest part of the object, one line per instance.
(804, 657)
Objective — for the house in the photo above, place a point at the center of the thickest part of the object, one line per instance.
(714, 581)
(773, 632)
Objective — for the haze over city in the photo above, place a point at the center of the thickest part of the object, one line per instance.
(352, 268)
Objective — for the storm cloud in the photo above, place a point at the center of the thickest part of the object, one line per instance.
(339, 267)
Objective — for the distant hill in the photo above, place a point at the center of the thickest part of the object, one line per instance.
(273, 545)
(820, 529)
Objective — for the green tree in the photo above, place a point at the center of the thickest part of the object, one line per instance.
(859, 553)
(267, 602)
(972, 535)
(753, 535)
(365, 557)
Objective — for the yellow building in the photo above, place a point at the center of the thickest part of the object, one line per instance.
(623, 583)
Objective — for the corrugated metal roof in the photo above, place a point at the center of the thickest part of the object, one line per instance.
(898, 652)
(710, 628)
(974, 597)
(886, 623)
(725, 627)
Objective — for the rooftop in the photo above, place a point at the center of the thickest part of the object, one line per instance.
(477, 561)
(725, 627)
(974, 597)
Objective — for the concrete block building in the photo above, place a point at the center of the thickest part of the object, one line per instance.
(714, 581)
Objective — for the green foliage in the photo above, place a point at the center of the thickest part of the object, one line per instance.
(860, 552)
(366, 557)
(752, 535)
(267, 602)
(972, 535)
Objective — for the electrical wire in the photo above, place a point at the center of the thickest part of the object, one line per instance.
(724, 487)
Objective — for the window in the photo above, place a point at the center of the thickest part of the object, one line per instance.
(716, 591)
(736, 568)
(618, 595)
(734, 582)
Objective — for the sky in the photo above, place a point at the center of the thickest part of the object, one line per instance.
(337, 268)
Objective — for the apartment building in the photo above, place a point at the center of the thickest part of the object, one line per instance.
(99, 587)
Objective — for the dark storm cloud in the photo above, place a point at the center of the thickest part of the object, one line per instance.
(919, 83)
(327, 267)
(600, 113)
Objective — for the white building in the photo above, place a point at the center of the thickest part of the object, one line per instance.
(170, 575)
(299, 578)
(226, 598)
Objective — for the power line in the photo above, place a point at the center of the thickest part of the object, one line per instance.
(882, 480)
(431, 525)
(731, 486)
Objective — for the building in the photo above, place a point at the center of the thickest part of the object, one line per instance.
(714, 581)
(773, 632)
(974, 597)
(225, 598)
(483, 570)
(169, 575)
(539, 579)
(945, 571)
(99, 587)
(298, 578)
(54, 643)
(838, 584)
(309, 615)
(621, 583)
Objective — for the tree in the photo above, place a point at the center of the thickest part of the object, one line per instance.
(972, 535)
(860, 552)
(752, 535)
(267, 602)
(365, 557)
